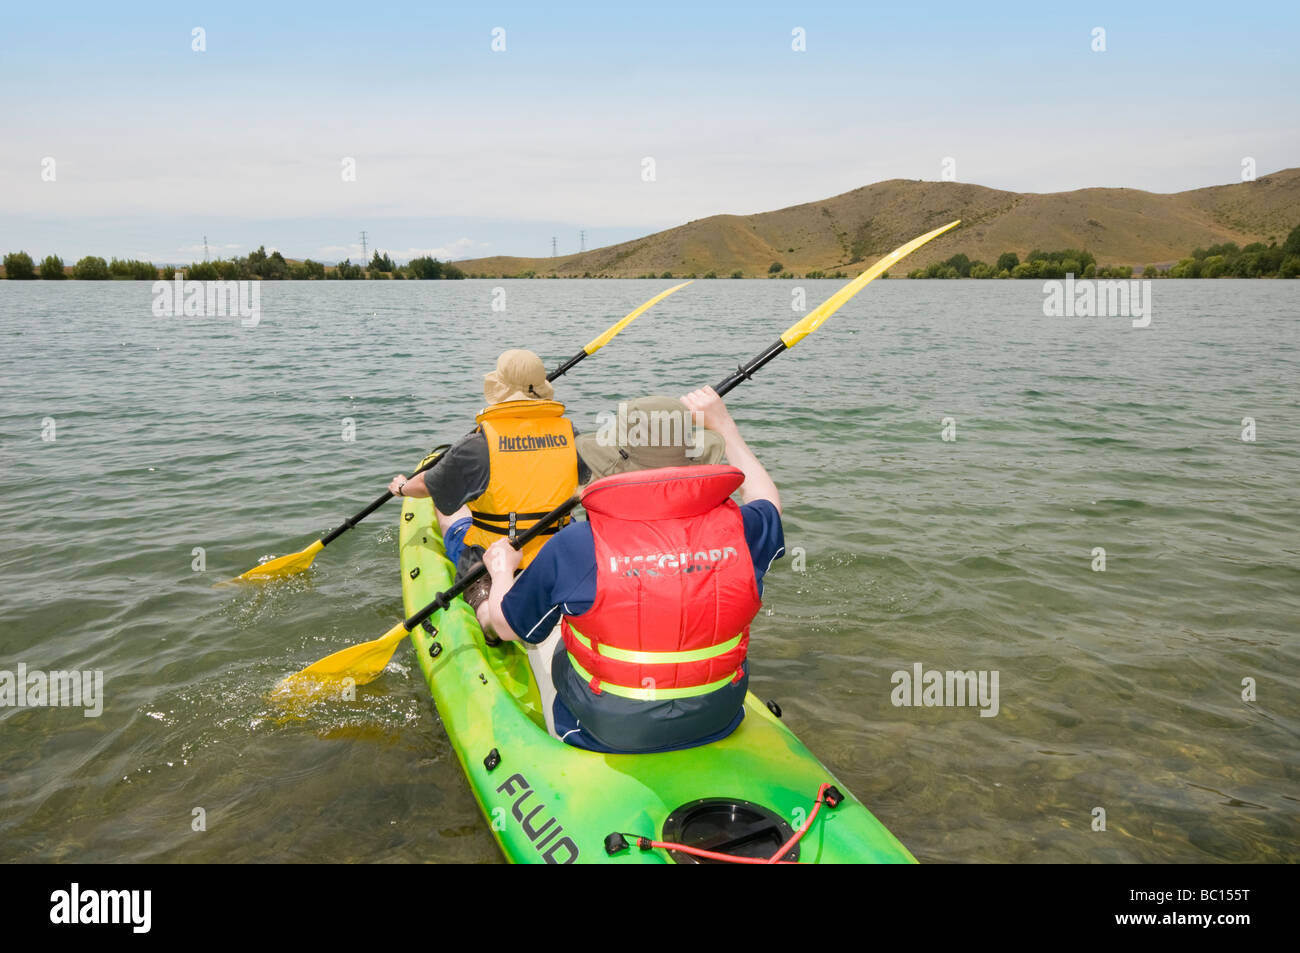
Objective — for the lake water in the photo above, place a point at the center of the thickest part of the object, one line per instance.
(144, 458)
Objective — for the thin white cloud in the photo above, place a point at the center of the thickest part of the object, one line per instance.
(460, 248)
(340, 251)
(213, 248)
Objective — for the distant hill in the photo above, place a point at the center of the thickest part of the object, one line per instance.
(845, 232)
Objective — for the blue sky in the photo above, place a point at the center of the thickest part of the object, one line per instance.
(461, 150)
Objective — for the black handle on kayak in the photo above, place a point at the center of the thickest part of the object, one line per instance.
(379, 501)
(746, 371)
(443, 599)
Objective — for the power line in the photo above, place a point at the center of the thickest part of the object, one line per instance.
(205, 247)
(364, 258)
(552, 246)
(582, 241)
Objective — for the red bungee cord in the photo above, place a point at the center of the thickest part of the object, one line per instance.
(645, 843)
(794, 838)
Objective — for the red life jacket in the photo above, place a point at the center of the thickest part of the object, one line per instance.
(675, 587)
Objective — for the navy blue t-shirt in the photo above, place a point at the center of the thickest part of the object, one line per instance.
(562, 577)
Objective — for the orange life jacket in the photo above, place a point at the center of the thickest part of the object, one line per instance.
(532, 468)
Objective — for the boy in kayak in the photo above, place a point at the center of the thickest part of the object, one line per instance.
(518, 464)
(656, 592)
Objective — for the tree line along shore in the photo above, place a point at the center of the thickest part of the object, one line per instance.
(258, 265)
(1226, 260)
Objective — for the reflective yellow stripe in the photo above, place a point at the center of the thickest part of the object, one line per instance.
(658, 658)
(650, 694)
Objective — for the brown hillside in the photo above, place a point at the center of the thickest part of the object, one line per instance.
(846, 232)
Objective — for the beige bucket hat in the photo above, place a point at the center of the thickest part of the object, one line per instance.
(520, 375)
(646, 434)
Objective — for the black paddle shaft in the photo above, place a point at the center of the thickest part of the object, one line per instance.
(379, 501)
(567, 365)
(746, 371)
(352, 521)
(474, 575)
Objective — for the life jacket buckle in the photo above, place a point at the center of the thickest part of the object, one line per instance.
(512, 536)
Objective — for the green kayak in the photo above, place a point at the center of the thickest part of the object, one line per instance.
(548, 802)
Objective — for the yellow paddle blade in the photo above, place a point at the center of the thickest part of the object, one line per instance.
(358, 663)
(285, 565)
(608, 336)
(801, 329)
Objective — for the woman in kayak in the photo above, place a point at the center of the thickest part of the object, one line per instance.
(656, 592)
(518, 464)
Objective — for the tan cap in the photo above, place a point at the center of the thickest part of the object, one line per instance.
(520, 375)
(646, 434)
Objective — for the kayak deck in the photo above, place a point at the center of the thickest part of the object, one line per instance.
(548, 802)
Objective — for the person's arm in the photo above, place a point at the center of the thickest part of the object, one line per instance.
(501, 560)
(462, 475)
(404, 486)
(419, 489)
(709, 410)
